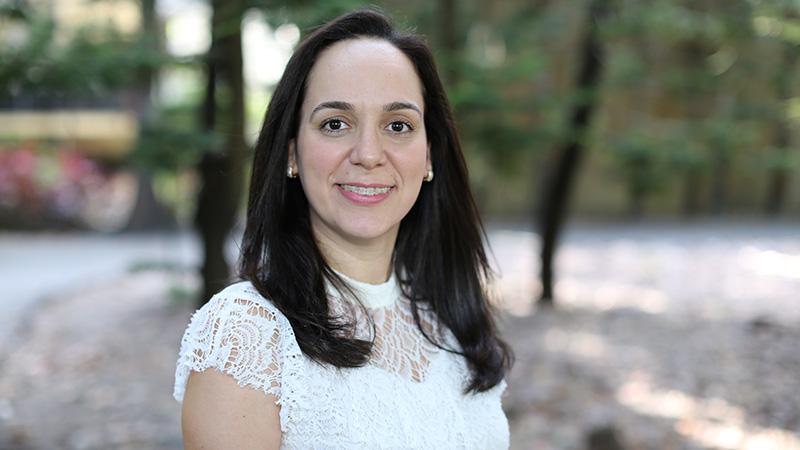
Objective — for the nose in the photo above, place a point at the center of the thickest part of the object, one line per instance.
(368, 150)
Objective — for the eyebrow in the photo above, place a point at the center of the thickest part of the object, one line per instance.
(396, 106)
(344, 106)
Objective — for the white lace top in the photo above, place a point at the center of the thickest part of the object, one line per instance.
(409, 395)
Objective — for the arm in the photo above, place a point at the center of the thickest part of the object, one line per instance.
(218, 414)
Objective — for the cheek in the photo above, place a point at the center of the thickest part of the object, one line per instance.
(416, 163)
(316, 156)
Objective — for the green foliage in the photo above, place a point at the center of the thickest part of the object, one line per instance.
(165, 146)
(642, 162)
(780, 159)
(95, 60)
(686, 152)
(493, 95)
(306, 14)
(687, 86)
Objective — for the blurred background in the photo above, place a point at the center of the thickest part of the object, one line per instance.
(636, 164)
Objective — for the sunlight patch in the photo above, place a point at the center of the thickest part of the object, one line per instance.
(770, 262)
(710, 422)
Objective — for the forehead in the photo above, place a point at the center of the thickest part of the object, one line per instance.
(362, 71)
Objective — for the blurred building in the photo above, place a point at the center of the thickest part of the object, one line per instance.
(102, 126)
(61, 149)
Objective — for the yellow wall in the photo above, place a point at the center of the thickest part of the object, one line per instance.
(124, 15)
(106, 133)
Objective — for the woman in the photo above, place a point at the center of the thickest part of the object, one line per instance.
(363, 321)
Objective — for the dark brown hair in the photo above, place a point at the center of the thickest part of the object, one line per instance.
(439, 254)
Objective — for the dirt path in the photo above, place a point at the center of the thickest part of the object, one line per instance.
(94, 370)
(681, 342)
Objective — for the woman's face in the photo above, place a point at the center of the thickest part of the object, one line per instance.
(361, 150)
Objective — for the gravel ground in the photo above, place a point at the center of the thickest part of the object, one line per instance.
(669, 338)
(93, 369)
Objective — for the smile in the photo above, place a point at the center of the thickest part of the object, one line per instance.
(368, 191)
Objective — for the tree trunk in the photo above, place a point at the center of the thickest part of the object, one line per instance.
(719, 179)
(690, 204)
(222, 169)
(148, 213)
(778, 184)
(449, 39)
(695, 58)
(636, 206)
(562, 178)
(780, 174)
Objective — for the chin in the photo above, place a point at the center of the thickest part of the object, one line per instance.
(367, 232)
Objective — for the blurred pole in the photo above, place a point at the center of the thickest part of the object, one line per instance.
(449, 39)
(148, 213)
(222, 169)
(695, 57)
(781, 170)
(562, 177)
(721, 150)
(724, 140)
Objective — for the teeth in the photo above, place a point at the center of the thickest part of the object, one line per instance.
(365, 190)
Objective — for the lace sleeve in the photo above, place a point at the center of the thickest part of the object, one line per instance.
(238, 333)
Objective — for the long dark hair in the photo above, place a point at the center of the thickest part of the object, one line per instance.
(439, 255)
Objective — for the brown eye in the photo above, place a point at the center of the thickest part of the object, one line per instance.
(333, 126)
(400, 127)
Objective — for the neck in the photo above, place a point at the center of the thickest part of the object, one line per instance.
(366, 262)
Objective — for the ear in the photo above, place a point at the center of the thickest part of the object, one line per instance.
(428, 164)
(292, 155)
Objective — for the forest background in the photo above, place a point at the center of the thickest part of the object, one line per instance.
(692, 110)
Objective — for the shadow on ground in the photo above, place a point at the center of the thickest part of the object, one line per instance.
(667, 339)
(660, 381)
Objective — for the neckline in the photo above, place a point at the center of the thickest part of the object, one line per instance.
(371, 295)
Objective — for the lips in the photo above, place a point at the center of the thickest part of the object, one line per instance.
(365, 195)
(364, 190)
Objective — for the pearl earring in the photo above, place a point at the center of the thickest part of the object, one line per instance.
(429, 176)
(290, 172)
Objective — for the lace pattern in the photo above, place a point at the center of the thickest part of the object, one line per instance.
(410, 394)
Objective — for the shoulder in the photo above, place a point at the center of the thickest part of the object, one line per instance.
(242, 292)
(239, 310)
(240, 333)
(241, 299)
